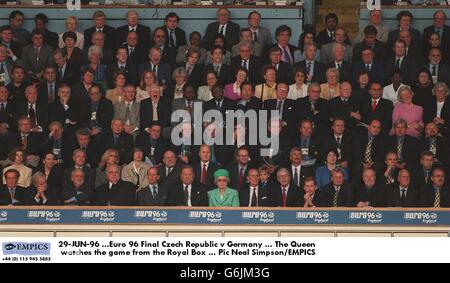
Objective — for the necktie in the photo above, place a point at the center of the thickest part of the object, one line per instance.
(2, 108)
(154, 69)
(204, 172)
(217, 69)
(24, 142)
(284, 198)
(36, 49)
(433, 147)
(127, 114)
(32, 115)
(255, 36)
(131, 50)
(219, 105)
(390, 178)
(241, 178)
(189, 70)
(397, 64)
(279, 105)
(308, 68)
(154, 192)
(336, 197)
(244, 64)
(254, 202)
(60, 74)
(368, 155)
(339, 65)
(437, 198)
(368, 67)
(403, 197)
(374, 105)
(169, 170)
(189, 106)
(338, 142)
(287, 56)
(155, 111)
(434, 71)
(186, 194)
(171, 39)
(296, 179)
(427, 176)
(400, 149)
(222, 30)
(51, 94)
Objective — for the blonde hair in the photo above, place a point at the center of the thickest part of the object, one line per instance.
(403, 89)
(106, 155)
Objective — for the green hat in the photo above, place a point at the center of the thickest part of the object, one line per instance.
(221, 173)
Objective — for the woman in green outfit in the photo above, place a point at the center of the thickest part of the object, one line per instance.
(223, 195)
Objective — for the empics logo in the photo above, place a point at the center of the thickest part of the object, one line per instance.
(21, 248)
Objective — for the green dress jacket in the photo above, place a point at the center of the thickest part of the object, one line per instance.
(229, 198)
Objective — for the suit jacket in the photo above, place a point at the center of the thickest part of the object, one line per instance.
(284, 73)
(41, 113)
(65, 154)
(345, 197)
(43, 93)
(292, 50)
(339, 109)
(244, 196)
(36, 62)
(105, 114)
(288, 113)
(445, 38)
(225, 73)
(327, 54)
(52, 199)
(393, 196)
(77, 196)
(227, 105)
(20, 195)
(430, 111)
(181, 104)
(130, 72)
(264, 37)
(304, 173)
(253, 104)
(180, 37)
(428, 195)
(138, 56)
(7, 116)
(212, 168)
(71, 75)
(411, 148)
(409, 68)
(34, 143)
(376, 196)
(176, 196)
(142, 31)
(345, 73)
(163, 72)
(17, 93)
(158, 147)
(108, 31)
(230, 198)
(8, 65)
(146, 113)
(321, 120)
(294, 196)
(377, 153)
(145, 196)
(323, 38)
(318, 71)
(442, 149)
(15, 47)
(383, 113)
(122, 194)
(57, 112)
(376, 72)
(234, 176)
(329, 142)
(379, 49)
(173, 176)
(89, 176)
(231, 35)
(418, 177)
(196, 78)
(120, 112)
(169, 55)
(124, 145)
(394, 35)
(254, 68)
(443, 73)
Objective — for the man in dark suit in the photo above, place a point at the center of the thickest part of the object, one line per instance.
(65, 72)
(406, 146)
(283, 193)
(252, 194)
(368, 63)
(239, 169)
(313, 197)
(314, 109)
(50, 38)
(344, 67)
(29, 141)
(88, 145)
(224, 27)
(156, 193)
(310, 143)
(436, 144)
(250, 62)
(175, 36)
(79, 162)
(223, 71)
(10, 193)
(137, 53)
(6, 38)
(6, 65)
(421, 174)
(285, 107)
(340, 140)
(436, 193)
(370, 40)
(377, 108)
(59, 142)
(314, 70)
(327, 35)
(439, 26)
(194, 71)
(339, 193)
(168, 53)
(154, 109)
(6, 116)
(118, 139)
(170, 169)
(142, 31)
(403, 193)
(155, 64)
(98, 113)
(204, 169)
(37, 55)
(153, 144)
(48, 89)
(346, 106)
(17, 84)
(187, 192)
(40, 192)
(439, 71)
(33, 109)
(115, 192)
(99, 18)
(283, 36)
(77, 192)
(248, 101)
(406, 64)
(219, 102)
(371, 193)
(298, 172)
(284, 70)
(123, 65)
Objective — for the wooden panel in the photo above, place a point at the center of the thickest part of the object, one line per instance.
(251, 234)
(139, 234)
(26, 234)
(309, 234)
(195, 234)
(82, 234)
(429, 235)
(364, 234)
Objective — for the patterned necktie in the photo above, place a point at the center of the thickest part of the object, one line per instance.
(287, 56)
(172, 39)
(437, 198)
(390, 178)
(255, 36)
(217, 69)
(400, 149)
(154, 192)
(433, 147)
(336, 196)
(254, 202)
(155, 111)
(368, 155)
(51, 93)
(60, 74)
(308, 68)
